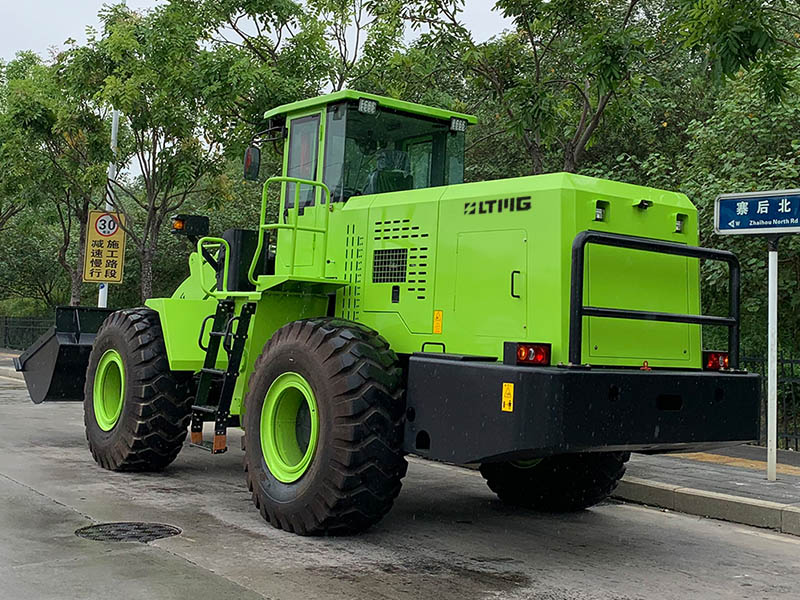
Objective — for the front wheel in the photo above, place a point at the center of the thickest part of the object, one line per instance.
(562, 483)
(323, 428)
(136, 410)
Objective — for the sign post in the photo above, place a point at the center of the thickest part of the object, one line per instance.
(768, 214)
(772, 362)
(102, 293)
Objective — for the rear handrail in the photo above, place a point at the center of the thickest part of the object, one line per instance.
(293, 225)
(205, 246)
(578, 310)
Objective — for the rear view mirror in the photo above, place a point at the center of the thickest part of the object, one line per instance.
(252, 162)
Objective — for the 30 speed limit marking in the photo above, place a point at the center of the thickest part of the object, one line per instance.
(106, 225)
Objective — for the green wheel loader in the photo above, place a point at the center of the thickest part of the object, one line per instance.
(542, 327)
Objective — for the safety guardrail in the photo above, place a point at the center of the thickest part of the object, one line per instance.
(292, 225)
(206, 246)
(578, 310)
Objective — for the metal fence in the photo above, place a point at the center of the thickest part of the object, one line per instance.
(18, 333)
(788, 401)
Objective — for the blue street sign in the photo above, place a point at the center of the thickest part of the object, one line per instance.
(757, 213)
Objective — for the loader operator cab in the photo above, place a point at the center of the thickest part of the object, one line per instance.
(362, 144)
(353, 144)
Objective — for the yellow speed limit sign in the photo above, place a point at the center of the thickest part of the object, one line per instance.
(105, 248)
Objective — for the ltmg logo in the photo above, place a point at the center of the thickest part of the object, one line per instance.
(487, 207)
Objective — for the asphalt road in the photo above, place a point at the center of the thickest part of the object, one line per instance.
(447, 536)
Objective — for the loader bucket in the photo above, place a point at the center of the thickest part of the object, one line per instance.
(54, 366)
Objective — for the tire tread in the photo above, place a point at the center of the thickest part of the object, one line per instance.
(159, 405)
(562, 483)
(364, 477)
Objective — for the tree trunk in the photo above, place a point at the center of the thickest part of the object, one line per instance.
(147, 274)
(76, 273)
(148, 254)
(74, 288)
(570, 164)
(538, 165)
(535, 153)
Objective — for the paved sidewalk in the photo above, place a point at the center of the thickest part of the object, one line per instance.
(729, 484)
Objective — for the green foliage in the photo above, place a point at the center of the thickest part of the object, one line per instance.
(152, 68)
(743, 143)
(745, 34)
(555, 76)
(28, 272)
(55, 143)
(693, 95)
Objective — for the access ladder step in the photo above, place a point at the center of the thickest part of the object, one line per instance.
(232, 340)
(218, 446)
(215, 372)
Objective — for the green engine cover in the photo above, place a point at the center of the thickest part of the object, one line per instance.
(463, 269)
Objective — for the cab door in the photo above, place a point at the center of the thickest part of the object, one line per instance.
(301, 160)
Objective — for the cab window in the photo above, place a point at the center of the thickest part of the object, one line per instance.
(302, 158)
(388, 152)
(420, 155)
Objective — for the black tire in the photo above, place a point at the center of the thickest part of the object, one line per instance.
(356, 469)
(563, 483)
(156, 408)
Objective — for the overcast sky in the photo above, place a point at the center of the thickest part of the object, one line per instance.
(39, 25)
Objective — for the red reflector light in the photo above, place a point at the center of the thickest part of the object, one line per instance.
(714, 361)
(533, 354)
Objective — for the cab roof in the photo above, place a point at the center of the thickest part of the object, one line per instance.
(400, 105)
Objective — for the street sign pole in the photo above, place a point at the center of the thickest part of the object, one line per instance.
(768, 214)
(102, 294)
(772, 362)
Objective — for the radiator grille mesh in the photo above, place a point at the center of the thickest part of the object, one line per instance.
(389, 266)
(403, 263)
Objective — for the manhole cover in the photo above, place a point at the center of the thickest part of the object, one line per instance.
(127, 532)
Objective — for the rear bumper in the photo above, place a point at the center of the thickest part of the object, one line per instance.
(455, 408)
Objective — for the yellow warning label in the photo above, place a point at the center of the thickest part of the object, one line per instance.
(105, 248)
(437, 321)
(507, 404)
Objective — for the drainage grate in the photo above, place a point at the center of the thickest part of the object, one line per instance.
(127, 532)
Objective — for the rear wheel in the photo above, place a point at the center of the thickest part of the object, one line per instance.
(563, 483)
(323, 428)
(136, 410)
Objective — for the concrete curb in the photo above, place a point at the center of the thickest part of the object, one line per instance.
(11, 373)
(747, 511)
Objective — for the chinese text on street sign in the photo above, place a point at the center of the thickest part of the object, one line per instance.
(105, 248)
(758, 213)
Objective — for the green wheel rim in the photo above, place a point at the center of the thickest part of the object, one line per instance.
(289, 427)
(526, 464)
(109, 390)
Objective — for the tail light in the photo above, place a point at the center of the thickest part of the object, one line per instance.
(715, 361)
(533, 354)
